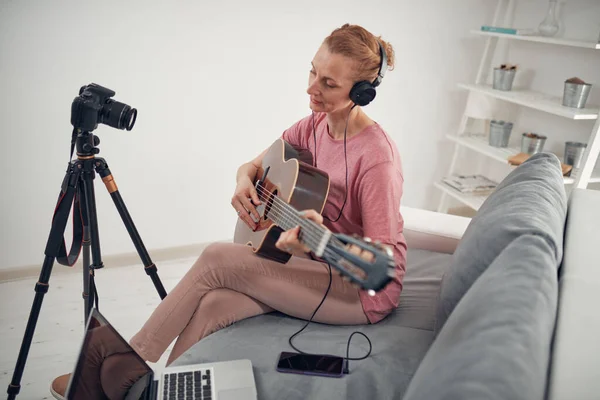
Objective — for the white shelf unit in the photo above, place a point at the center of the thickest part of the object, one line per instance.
(523, 97)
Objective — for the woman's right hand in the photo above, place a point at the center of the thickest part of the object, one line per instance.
(244, 201)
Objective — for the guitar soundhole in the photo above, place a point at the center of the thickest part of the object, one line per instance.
(269, 205)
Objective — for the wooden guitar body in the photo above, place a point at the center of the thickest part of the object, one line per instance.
(292, 179)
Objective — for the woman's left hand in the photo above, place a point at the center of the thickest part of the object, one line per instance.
(288, 240)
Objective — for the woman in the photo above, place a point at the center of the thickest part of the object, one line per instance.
(229, 282)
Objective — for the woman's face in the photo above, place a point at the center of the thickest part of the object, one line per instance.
(330, 81)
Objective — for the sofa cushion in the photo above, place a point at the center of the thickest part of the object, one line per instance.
(418, 300)
(399, 343)
(530, 200)
(496, 344)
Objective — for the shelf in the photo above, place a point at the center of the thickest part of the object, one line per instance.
(473, 201)
(535, 100)
(541, 39)
(480, 145)
(593, 179)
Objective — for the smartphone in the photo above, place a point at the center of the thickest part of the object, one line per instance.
(311, 364)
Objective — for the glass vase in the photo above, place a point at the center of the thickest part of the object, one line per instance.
(550, 26)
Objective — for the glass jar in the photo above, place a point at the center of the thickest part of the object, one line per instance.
(550, 26)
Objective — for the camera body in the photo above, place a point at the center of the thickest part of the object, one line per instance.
(94, 106)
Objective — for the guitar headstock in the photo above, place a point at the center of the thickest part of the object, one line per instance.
(372, 274)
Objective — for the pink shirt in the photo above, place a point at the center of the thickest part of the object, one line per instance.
(374, 190)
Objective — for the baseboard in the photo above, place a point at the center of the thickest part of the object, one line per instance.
(109, 261)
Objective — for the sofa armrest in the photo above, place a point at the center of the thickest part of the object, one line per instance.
(575, 368)
(431, 230)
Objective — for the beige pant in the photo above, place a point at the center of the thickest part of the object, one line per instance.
(228, 283)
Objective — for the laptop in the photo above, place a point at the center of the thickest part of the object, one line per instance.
(226, 380)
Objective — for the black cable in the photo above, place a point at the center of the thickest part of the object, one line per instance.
(345, 159)
(314, 137)
(312, 316)
(346, 366)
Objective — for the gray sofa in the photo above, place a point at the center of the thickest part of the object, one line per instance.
(498, 307)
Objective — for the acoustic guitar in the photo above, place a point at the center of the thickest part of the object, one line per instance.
(288, 183)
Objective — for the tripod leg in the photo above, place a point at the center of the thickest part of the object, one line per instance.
(59, 223)
(86, 256)
(41, 287)
(111, 186)
(89, 199)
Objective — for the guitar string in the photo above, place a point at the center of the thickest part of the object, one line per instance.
(308, 235)
(290, 217)
(287, 212)
(290, 210)
(284, 207)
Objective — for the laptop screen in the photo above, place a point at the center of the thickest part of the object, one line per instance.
(107, 366)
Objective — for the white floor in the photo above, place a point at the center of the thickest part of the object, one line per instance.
(127, 296)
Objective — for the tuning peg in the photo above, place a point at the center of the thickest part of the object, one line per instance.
(389, 251)
(367, 239)
(371, 292)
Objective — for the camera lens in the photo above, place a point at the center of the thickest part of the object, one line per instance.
(119, 115)
(129, 118)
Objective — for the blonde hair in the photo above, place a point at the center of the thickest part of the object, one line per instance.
(357, 43)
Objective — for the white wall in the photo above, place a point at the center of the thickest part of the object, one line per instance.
(214, 84)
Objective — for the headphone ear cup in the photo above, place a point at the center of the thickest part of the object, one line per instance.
(362, 93)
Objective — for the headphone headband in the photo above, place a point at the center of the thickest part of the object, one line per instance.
(382, 66)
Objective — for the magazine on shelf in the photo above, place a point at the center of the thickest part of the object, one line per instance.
(470, 184)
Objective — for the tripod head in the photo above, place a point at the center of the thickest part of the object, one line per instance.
(86, 143)
(93, 106)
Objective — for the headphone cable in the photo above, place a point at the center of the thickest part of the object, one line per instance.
(345, 159)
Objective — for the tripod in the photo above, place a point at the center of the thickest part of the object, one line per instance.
(78, 190)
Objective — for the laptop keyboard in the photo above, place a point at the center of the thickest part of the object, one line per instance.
(188, 385)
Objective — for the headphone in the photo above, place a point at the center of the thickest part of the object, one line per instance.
(363, 92)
